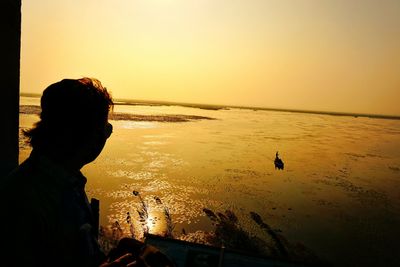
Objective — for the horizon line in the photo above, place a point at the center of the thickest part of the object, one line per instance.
(128, 101)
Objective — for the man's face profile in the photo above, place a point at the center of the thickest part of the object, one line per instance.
(97, 143)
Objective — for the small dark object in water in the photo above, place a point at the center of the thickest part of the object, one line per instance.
(278, 162)
(158, 200)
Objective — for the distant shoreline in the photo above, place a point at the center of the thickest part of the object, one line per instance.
(119, 116)
(132, 102)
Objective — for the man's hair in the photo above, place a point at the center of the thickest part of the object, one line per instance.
(71, 111)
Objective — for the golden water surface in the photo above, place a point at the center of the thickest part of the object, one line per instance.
(339, 193)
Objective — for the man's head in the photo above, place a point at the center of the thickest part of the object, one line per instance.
(74, 117)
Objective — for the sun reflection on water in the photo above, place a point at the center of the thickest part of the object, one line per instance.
(156, 223)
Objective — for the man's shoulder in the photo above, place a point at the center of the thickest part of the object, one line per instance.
(26, 192)
(20, 175)
(24, 186)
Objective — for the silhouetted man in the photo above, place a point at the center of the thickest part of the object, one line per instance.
(46, 218)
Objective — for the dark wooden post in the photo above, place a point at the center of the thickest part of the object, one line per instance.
(95, 206)
(10, 46)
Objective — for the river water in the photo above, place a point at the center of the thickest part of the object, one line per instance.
(338, 195)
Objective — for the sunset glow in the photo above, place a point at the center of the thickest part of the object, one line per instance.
(315, 55)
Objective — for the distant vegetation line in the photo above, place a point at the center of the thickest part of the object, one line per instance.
(30, 94)
(134, 102)
(117, 116)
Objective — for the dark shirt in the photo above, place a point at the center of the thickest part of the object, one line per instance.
(46, 217)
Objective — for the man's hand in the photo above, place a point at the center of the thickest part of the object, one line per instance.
(126, 260)
(136, 254)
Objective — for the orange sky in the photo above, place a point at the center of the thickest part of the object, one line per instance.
(339, 55)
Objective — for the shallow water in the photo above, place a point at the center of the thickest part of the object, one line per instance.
(339, 193)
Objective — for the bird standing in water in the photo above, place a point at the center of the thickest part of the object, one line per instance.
(278, 162)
